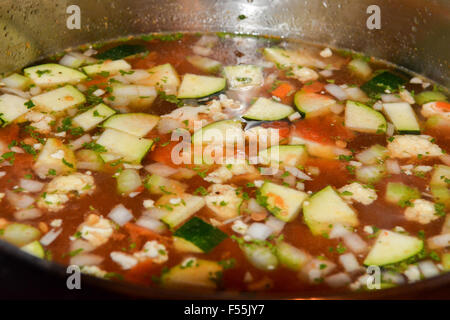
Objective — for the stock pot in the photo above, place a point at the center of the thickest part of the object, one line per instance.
(413, 34)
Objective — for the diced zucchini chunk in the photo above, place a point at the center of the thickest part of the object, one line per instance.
(267, 109)
(88, 120)
(441, 176)
(391, 247)
(362, 118)
(446, 261)
(326, 208)
(370, 174)
(195, 86)
(373, 155)
(242, 76)
(260, 256)
(224, 132)
(311, 104)
(429, 96)
(360, 68)
(20, 234)
(34, 248)
(137, 124)
(164, 77)
(162, 185)
(182, 245)
(126, 146)
(52, 74)
(283, 202)
(201, 234)
(403, 117)
(108, 66)
(284, 58)
(128, 181)
(59, 99)
(17, 81)
(55, 157)
(196, 274)
(291, 257)
(441, 194)
(179, 212)
(205, 64)
(89, 160)
(11, 108)
(284, 155)
(399, 193)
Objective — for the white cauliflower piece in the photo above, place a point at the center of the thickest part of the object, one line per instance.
(357, 192)
(409, 146)
(40, 121)
(304, 74)
(93, 271)
(225, 173)
(239, 227)
(153, 250)
(96, 230)
(223, 201)
(422, 211)
(57, 193)
(125, 261)
(219, 176)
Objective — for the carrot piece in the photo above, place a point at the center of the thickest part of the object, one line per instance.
(99, 81)
(443, 105)
(283, 90)
(163, 154)
(139, 234)
(314, 87)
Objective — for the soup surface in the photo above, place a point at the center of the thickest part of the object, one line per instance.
(219, 162)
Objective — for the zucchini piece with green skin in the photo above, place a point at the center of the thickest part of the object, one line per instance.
(242, 76)
(52, 74)
(128, 181)
(283, 202)
(134, 96)
(441, 194)
(163, 77)
(194, 86)
(11, 108)
(403, 117)
(89, 160)
(197, 274)
(182, 245)
(205, 64)
(429, 96)
(20, 234)
(45, 162)
(446, 261)
(121, 51)
(382, 83)
(176, 214)
(60, 99)
(285, 58)
(264, 109)
(371, 173)
(290, 256)
(360, 68)
(126, 146)
(362, 118)
(441, 176)
(311, 104)
(260, 256)
(161, 185)
(17, 81)
(34, 248)
(110, 67)
(326, 208)
(284, 155)
(398, 193)
(391, 247)
(201, 234)
(373, 155)
(88, 120)
(137, 124)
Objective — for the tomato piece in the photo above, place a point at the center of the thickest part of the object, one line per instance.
(314, 87)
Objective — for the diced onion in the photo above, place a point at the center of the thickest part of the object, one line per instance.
(393, 167)
(390, 129)
(81, 244)
(428, 268)
(349, 262)
(16, 92)
(86, 259)
(27, 214)
(31, 185)
(338, 280)
(78, 143)
(50, 236)
(167, 125)
(151, 224)
(390, 98)
(393, 277)
(338, 231)
(298, 173)
(355, 243)
(259, 231)
(337, 108)
(160, 169)
(20, 201)
(439, 241)
(120, 215)
(275, 224)
(336, 91)
(254, 206)
(155, 213)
